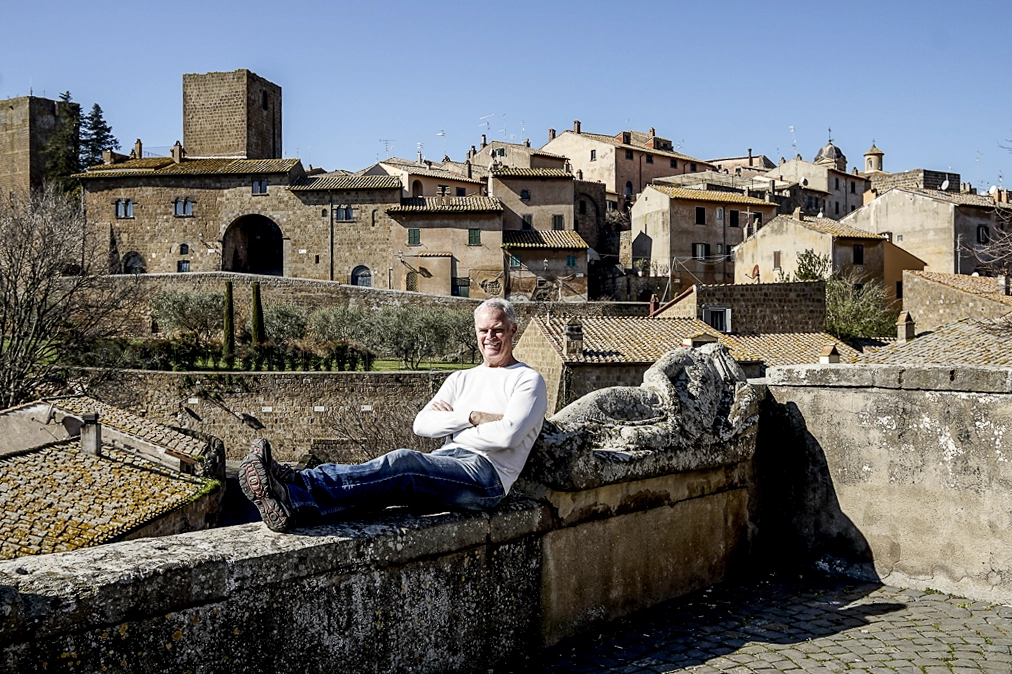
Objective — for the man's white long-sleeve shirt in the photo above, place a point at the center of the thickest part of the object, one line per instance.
(517, 392)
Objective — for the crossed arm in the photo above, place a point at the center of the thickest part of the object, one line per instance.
(476, 418)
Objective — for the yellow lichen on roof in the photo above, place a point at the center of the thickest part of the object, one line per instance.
(448, 204)
(710, 195)
(520, 172)
(61, 498)
(971, 341)
(167, 167)
(345, 182)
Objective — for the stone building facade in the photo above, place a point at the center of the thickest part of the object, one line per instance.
(423, 178)
(626, 162)
(935, 299)
(26, 125)
(235, 114)
(841, 192)
(514, 155)
(688, 235)
(753, 307)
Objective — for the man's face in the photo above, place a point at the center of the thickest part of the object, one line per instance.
(495, 337)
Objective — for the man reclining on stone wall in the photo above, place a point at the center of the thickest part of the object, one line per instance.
(491, 415)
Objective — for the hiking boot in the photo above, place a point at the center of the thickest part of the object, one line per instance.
(281, 472)
(266, 493)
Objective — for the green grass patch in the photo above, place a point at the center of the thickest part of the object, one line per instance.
(395, 365)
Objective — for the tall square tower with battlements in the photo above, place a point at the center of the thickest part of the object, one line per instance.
(26, 125)
(234, 114)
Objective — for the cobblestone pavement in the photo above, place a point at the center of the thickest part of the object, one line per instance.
(809, 626)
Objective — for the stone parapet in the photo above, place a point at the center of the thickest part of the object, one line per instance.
(969, 378)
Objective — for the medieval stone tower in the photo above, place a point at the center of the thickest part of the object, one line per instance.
(236, 114)
(26, 124)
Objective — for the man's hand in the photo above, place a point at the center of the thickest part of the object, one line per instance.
(477, 418)
(441, 406)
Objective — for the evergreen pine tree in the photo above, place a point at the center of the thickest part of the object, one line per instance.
(96, 137)
(229, 326)
(257, 320)
(64, 146)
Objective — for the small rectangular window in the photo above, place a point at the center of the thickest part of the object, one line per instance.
(650, 159)
(776, 259)
(570, 260)
(720, 214)
(259, 186)
(349, 213)
(853, 187)
(700, 251)
(674, 163)
(528, 220)
(514, 260)
(461, 286)
(179, 208)
(628, 154)
(583, 207)
(899, 290)
(474, 236)
(124, 208)
(837, 207)
(183, 266)
(558, 222)
(700, 215)
(414, 237)
(461, 191)
(732, 220)
(692, 168)
(837, 184)
(339, 213)
(593, 155)
(858, 253)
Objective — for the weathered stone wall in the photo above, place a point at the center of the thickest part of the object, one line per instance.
(26, 124)
(894, 473)
(768, 307)
(882, 182)
(295, 408)
(233, 114)
(588, 211)
(932, 304)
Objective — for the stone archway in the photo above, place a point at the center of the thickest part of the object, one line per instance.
(253, 245)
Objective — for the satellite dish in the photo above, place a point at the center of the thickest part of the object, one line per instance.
(804, 182)
(993, 189)
(945, 184)
(755, 271)
(819, 215)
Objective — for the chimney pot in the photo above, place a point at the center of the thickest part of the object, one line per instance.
(551, 134)
(91, 434)
(527, 142)
(579, 174)
(467, 165)
(750, 156)
(797, 213)
(138, 149)
(178, 153)
(484, 141)
(574, 338)
(576, 126)
(829, 355)
(905, 328)
(652, 132)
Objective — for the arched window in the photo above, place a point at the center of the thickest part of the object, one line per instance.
(869, 163)
(416, 188)
(525, 195)
(983, 234)
(628, 189)
(184, 249)
(361, 276)
(133, 263)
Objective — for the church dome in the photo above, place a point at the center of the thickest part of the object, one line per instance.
(829, 152)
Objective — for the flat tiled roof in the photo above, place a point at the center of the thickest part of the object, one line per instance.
(515, 172)
(542, 238)
(345, 182)
(982, 286)
(448, 204)
(59, 497)
(710, 195)
(971, 341)
(644, 340)
(827, 226)
(167, 167)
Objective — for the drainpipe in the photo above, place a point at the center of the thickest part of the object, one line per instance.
(331, 256)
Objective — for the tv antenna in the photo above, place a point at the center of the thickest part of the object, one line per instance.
(443, 134)
(503, 129)
(794, 138)
(386, 145)
(484, 121)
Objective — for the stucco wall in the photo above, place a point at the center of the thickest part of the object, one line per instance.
(899, 474)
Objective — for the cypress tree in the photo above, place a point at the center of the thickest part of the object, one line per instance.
(64, 146)
(257, 321)
(229, 326)
(96, 137)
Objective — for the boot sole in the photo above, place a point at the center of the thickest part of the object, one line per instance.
(255, 483)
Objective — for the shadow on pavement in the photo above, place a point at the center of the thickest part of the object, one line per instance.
(705, 625)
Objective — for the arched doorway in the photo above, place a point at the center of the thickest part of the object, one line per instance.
(361, 276)
(252, 244)
(416, 188)
(133, 263)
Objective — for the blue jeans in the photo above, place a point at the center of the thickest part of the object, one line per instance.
(454, 478)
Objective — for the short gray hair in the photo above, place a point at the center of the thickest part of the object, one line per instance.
(498, 304)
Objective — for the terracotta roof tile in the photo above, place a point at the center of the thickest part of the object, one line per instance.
(221, 166)
(790, 348)
(448, 204)
(828, 226)
(710, 195)
(663, 153)
(959, 198)
(982, 286)
(60, 498)
(542, 238)
(971, 341)
(345, 182)
(517, 172)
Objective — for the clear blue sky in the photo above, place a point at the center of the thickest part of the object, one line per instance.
(927, 84)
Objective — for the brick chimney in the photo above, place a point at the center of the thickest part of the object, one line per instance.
(1003, 283)
(576, 126)
(178, 153)
(551, 135)
(750, 156)
(905, 328)
(467, 166)
(91, 434)
(654, 304)
(829, 355)
(579, 174)
(138, 149)
(574, 338)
